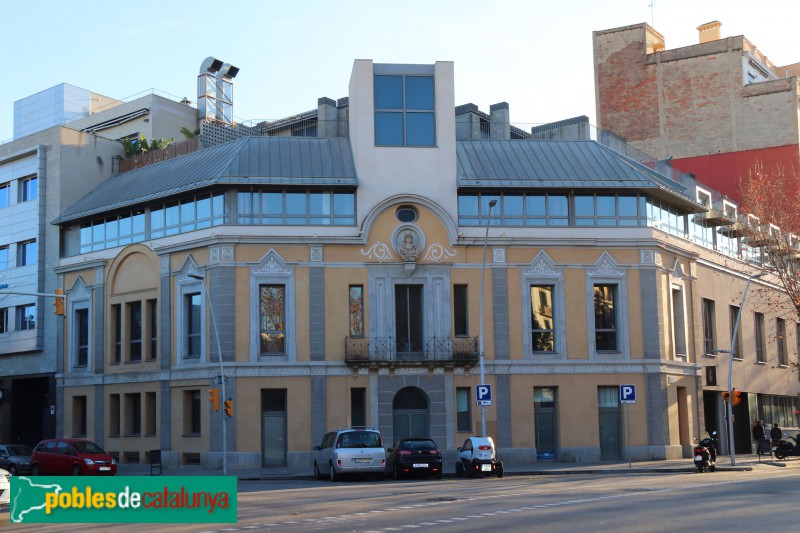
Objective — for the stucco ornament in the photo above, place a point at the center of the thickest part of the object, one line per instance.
(408, 249)
(379, 250)
(436, 252)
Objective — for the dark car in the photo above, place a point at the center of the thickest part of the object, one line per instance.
(77, 457)
(414, 457)
(16, 458)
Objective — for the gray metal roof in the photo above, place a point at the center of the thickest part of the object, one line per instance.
(560, 165)
(252, 160)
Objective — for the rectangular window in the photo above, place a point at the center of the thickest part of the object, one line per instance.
(3, 257)
(356, 310)
(133, 414)
(678, 322)
(79, 416)
(113, 415)
(5, 191)
(358, 406)
(135, 332)
(463, 410)
(26, 253)
(26, 317)
(733, 315)
(460, 313)
(191, 412)
(28, 189)
(4, 320)
(709, 331)
(272, 319)
(780, 334)
(194, 322)
(116, 320)
(152, 311)
(150, 414)
(82, 337)
(761, 348)
(605, 318)
(404, 112)
(542, 328)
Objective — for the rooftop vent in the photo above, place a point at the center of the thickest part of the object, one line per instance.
(710, 31)
(215, 91)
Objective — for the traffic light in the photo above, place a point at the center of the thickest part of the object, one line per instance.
(213, 397)
(229, 407)
(59, 302)
(737, 397)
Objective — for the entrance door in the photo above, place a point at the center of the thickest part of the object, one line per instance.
(408, 319)
(544, 419)
(410, 414)
(273, 427)
(608, 414)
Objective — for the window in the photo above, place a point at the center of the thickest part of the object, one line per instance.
(463, 406)
(194, 325)
(135, 332)
(28, 189)
(26, 317)
(3, 257)
(79, 416)
(407, 214)
(404, 111)
(679, 321)
(761, 355)
(356, 310)
(605, 317)
(152, 310)
(113, 415)
(191, 412)
(733, 316)
(133, 414)
(460, 325)
(5, 191)
(116, 320)
(272, 316)
(358, 406)
(82, 340)
(26, 253)
(317, 208)
(780, 333)
(150, 414)
(709, 332)
(3, 319)
(542, 328)
(187, 215)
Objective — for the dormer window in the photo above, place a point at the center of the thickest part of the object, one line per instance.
(404, 113)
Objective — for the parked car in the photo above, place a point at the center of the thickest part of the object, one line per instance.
(350, 451)
(5, 487)
(71, 456)
(16, 458)
(478, 456)
(414, 457)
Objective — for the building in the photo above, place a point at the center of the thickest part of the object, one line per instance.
(713, 109)
(335, 275)
(65, 145)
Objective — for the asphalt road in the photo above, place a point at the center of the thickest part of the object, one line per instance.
(641, 503)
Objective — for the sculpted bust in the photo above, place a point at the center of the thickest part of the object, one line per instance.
(409, 250)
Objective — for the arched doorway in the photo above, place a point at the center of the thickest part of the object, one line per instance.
(410, 414)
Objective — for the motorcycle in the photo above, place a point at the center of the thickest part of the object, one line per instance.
(786, 448)
(705, 453)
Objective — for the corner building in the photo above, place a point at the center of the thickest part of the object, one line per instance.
(338, 277)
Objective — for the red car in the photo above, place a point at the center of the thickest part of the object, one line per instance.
(77, 457)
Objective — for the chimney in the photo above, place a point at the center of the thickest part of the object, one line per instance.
(710, 31)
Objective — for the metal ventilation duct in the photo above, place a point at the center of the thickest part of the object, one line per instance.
(215, 91)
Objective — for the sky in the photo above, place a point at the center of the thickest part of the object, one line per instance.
(534, 54)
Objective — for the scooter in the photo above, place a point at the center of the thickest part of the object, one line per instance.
(705, 454)
(785, 448)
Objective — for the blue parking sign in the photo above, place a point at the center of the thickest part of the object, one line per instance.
(483, 393)
(627, 394)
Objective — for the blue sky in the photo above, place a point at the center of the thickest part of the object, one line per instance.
(535, 55)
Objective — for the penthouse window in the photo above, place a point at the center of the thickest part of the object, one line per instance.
(109, 232)
(187, 215)
(404, 112)
(298, 208)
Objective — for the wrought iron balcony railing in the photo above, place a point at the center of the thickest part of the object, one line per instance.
(391, 350)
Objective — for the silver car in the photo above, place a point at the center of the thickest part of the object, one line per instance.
(350, 451)
(16, 458)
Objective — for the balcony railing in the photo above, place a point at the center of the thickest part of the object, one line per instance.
(380, 351)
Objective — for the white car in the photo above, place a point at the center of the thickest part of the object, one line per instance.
(5, 487)
(478, 457)
(350, 451)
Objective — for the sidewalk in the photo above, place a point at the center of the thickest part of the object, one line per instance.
(744, 463)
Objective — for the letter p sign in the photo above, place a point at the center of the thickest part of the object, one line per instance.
(483, 393)
(627, 394)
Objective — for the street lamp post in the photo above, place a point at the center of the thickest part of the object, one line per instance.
(221, 374)
(731, 352)
(480, 312)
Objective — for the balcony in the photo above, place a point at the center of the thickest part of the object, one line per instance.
(376, 352)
